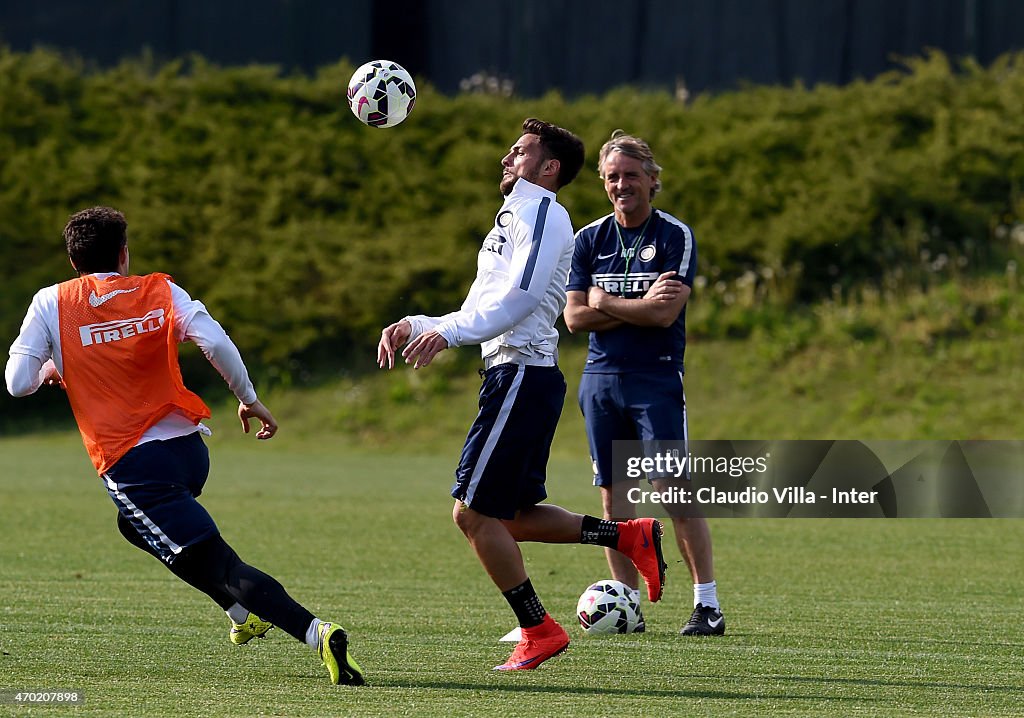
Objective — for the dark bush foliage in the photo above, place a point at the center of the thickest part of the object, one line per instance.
(304, 231)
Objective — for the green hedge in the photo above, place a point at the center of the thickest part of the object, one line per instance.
(304, 231)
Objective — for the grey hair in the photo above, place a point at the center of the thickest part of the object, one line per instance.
(631, 147)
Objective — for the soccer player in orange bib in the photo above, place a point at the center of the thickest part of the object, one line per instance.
(110, 340)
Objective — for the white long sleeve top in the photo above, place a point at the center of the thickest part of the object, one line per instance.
(519, 290)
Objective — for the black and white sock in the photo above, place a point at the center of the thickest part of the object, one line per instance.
(599, 532)
(526, 604)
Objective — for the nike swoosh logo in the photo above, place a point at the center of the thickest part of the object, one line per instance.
(96, 301)
(644, 534)
(716, 622)
(606, 256)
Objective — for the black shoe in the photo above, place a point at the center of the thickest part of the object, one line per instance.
(641, 625)
(705, 621)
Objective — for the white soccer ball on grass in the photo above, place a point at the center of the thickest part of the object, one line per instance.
(608, 606)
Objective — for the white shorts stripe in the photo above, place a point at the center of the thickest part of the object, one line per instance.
(118, 494)
(686, 428)
(495, 434)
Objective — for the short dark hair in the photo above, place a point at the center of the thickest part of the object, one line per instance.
(560, 144)
(94, 238)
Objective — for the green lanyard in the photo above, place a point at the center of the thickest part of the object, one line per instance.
(632, 251)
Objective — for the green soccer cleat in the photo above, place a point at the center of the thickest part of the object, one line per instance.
(252, 627)
(333, 649)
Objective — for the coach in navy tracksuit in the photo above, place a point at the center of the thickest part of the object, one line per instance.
(631, 275)
(510, 311)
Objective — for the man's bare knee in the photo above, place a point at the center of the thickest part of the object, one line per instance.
(466, 518)
(614, 502)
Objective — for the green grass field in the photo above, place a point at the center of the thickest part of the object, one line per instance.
(825, 617)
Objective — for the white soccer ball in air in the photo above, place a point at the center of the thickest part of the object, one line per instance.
(381, 93)
(608, 606)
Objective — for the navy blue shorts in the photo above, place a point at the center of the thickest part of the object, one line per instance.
(637, 406)
(155, 486)
(504, 461)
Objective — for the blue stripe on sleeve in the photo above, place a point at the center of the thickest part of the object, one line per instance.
(538, 232)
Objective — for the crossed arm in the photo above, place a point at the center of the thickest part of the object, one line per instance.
(596, 310)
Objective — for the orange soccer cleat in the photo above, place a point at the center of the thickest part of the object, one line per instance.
(539, 644)
(640, 539)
